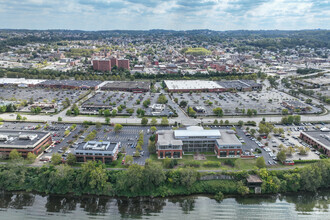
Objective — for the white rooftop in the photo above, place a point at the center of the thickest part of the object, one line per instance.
(20, 81)
(191, 84)
(194, 132)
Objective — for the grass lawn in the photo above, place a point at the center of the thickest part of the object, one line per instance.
(240, 164)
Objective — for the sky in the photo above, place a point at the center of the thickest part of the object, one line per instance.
(219, 15)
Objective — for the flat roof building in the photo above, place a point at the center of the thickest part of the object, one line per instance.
(104, 151)
(70, 84)
(129, 86)
(173, 144)
(318, 139)
(211, 86)
(192, 85)
(23, 141)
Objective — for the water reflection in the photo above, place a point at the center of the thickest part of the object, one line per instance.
(136, 207)
(187, 204)
(291, 205)
(16, 200)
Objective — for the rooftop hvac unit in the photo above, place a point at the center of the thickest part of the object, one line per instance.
(27, 137)
(3, 138)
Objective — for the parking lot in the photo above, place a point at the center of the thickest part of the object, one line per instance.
(112, 100)
(267, 102)
(128, 138)
(38, 95)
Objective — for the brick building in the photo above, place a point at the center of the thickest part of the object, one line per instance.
(173, 144)
(123, 63)
(97, 151)
(318, 139)
(23, 141)
(106, 65)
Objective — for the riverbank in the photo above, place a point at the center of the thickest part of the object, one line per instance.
(152, 181)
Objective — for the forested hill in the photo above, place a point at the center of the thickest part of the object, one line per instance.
(262, 38)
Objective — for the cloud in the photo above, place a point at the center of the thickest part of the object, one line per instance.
(167, 14)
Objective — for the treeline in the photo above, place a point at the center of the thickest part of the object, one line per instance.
(121, 74)
(152, 180)
(307, 71)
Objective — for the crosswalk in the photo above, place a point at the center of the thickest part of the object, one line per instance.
(142, 163)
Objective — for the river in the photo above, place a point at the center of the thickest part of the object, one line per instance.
(21, 205)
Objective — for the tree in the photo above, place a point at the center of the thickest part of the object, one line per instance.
(66, 133)
(303, 150)
(227, 122)
(188, 177)
(106, 113)
(139, 147)
(183, 104)
(18, 117)
(118, 127)
(281, 156)
(290, 150)
(191, 112)
(144, 121)
(240, 123)
(153, 121)
(137, 153)
(152, 147)
(56, 159)
(31, 157)
(15, 155)
(114, 113)
(260, 163)
(59, 119)
(164, 121)
(146, 103)
(218, 111)
(249, 112)
(219, 197)
(128, 160)
(265, 128)
(107, 120)
(166, 162)
(98, 125)
(162, 99)
(71, 159)
(153, 129)
(130, 111)
(285, 111)
(297, 119)
(242, 189)
(215, 122)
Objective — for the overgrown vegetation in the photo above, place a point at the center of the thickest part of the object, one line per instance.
(152, 180)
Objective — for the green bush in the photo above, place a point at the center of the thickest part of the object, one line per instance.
(211, 164)
(192, 164)
(219, 196)
(305, 161)
(229, 162)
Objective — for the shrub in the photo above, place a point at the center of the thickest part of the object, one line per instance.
(305, 161)
(229, 162)
(219, 196)
(192, 164)
(211, 164)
